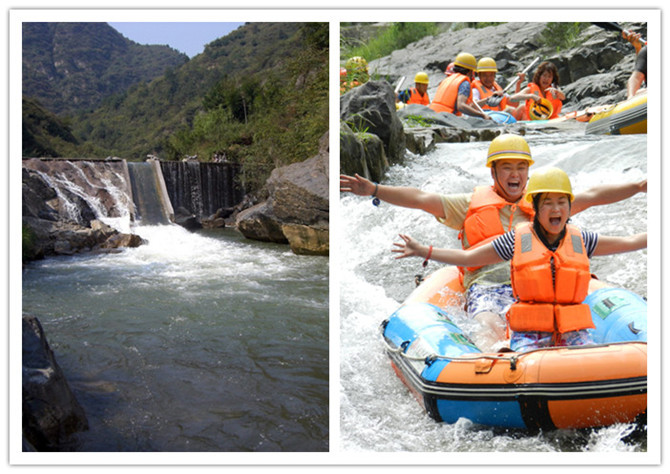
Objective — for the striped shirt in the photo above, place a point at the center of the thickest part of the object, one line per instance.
(504, 245)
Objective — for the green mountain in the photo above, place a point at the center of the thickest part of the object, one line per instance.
(72, 67)
(43, 132)
(258, 97)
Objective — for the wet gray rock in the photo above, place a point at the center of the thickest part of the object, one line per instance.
(370, 108)
(51, 413)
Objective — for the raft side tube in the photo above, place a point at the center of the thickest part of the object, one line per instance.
(425, 329)
(627, 117)
(619, 315)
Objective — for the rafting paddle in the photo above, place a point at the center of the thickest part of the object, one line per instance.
(612, 26)
(494, 101)
(400, 82)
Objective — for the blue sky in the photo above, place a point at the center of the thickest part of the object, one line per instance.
(189, 38)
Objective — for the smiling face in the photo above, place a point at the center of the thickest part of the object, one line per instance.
(487, 78)
(510, 177)
(553, 211)
(546, 79)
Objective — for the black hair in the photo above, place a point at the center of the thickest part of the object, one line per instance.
(462, 70)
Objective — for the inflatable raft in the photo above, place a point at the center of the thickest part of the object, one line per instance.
(624, 118)
(553, 388)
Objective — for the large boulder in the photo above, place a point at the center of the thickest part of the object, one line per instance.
(298, 199)
(51, 413)
(362, 153)
(260, 223)
(370, 108)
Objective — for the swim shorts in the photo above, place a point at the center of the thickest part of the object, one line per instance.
(492, 298)
(526, 341)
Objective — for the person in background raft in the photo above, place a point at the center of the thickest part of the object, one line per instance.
(454, 94)
(543, 86)
(485, 86)
(549, 265)
(639, 74)
(484, 214)
(417, 94)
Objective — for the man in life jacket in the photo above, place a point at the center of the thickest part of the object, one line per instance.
(454, 94)
(485, 87)
(417, 94)
(549, 265)
(484, 214)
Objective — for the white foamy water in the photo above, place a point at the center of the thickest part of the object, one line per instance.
(378, 413)
(196, 341)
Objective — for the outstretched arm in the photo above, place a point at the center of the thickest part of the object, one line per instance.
(484, 255)
(397, 195)
(606, 194)
(608, 245)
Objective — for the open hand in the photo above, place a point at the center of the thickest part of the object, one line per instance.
(408, 247)
(357, 185)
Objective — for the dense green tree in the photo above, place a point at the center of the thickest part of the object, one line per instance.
(258, 97)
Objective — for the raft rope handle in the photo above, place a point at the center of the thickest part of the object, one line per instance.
(403, 347)
(513, 359)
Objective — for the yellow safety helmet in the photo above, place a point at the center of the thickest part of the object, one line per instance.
(487, 65)
(550, 180)
(541, 109)
(421, 78)
(509, 147)
(466, 60)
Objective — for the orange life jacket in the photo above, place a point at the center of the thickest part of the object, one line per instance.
(484, 93)
(416, 98)
(447, 94)
(556, 103)
(550, 286)
(482, 222)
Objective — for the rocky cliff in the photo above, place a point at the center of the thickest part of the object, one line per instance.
(297, 209)
(593, 73)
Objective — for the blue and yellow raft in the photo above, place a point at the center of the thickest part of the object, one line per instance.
(554, 388)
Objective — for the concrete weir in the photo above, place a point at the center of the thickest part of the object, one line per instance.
(145, 192)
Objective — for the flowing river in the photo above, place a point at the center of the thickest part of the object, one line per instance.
(378, 413)
(194, 342)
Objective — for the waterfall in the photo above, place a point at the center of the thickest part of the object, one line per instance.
(119, 192)
(151, 201)
(202, 188)
(88, 190)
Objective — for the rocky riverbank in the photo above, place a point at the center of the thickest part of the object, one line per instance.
(592, 73)
(50, 229)
(297, 208)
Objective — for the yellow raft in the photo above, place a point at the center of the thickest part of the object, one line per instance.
(625, 118)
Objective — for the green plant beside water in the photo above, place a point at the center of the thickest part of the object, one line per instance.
(396, 36)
